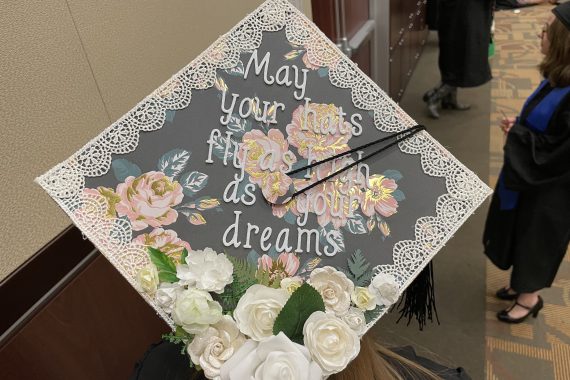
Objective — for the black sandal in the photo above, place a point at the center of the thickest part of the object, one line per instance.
(503, 316)
(503, 294)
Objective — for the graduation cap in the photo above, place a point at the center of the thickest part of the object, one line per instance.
(562, 13)
(269, 197)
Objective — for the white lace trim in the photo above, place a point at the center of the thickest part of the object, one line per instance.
(113, 237)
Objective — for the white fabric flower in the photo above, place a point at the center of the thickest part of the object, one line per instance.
(275, 358)
(211, 348)
(257, 310)
(194, 310)
(147, 279)
(332, 343)
(385, 288)
(363, 299)
(334, 287)
(355, 319)
(166, 295)
(290, 284)
(206, 270)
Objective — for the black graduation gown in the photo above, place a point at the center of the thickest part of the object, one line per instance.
(464, 32)
(528, 225)
(163, 361)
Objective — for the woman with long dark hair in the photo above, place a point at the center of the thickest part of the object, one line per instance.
(528, 226)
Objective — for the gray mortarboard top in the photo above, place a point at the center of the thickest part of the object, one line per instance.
(206, 160)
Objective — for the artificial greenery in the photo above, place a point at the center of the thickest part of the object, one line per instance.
(179, 336)
(302, 303)
(184, 256)
(244, 276)
(164, 264)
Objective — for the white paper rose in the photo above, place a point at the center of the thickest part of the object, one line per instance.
(331, 342)
(257, 310)
(385, 288)
(355, 319)
(290, 284)
(147, 279)
(334, 287)
(275, 358)
(206, 270)
(363, 299)
(194, 310)
(166, 295)
(211, 348)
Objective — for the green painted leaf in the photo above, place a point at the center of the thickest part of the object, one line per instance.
(164, 264)
(393, 174)
(172, 163)
(124, 168)
(302, 303)
(193, 182)
(399, 195)
(356, 224)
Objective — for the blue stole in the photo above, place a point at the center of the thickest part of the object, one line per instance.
(537, 121)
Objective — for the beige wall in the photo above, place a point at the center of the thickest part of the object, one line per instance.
(68, 69)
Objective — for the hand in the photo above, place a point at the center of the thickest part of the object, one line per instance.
(507, 123)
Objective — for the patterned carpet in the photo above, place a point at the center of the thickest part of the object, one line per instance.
(536, 349)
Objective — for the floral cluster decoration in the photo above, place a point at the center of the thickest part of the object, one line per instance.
(265, 316)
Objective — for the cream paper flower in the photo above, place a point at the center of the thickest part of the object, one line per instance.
(332, 343)
(385, 288)
(275, 358)
(211, 348)
(334, 287)
(206, 270)
(147, 279)
(194, 310)
(355, 319)
(257, 310)
(363, 299)
(166, 295)
(290, 284)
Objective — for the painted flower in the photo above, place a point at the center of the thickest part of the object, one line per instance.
(257, 310)
(275, 358)
(286, 265)
(332, 343)
(166, 241)
(266, 159)
(110, 196)
(363, 298)
(334, 287)
(147, 279)
(147, 200)
(312, 134)
(385, 288)
(211, 348)
(384, 228)
(206, 270)
(355, 319)
(194, 310)
(378, 197)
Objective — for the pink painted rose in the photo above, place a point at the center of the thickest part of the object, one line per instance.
(271, 152)
(286, 265)
(148, 200)
(323, 134)
(378, 198)
(167, 241)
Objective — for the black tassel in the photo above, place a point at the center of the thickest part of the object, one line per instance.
(419, 299)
